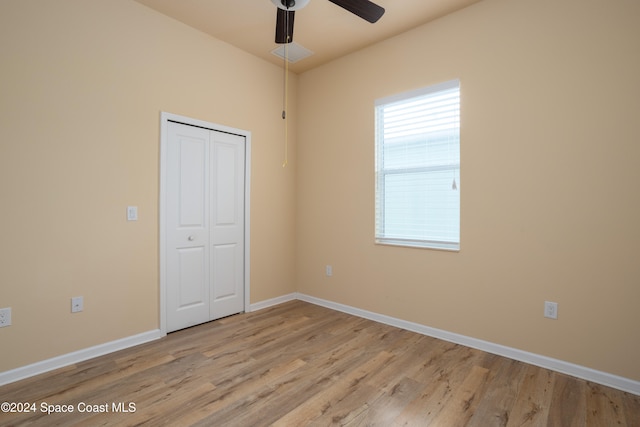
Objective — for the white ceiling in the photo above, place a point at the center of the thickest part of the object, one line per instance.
(322, 27)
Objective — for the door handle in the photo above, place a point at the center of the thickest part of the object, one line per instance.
(191, 238)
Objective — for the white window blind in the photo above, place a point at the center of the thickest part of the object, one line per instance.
(418, 168)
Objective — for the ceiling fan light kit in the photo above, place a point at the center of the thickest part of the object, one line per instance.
(365, 9)
(290, 4)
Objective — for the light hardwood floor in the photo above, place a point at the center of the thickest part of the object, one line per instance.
(297, 364)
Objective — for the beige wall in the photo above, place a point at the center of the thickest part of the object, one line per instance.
(81, 90)
(550, 157)
(549, 188)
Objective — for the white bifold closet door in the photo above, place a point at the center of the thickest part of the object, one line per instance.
(205, 225)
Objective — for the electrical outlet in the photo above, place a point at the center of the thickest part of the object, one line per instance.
(551, 309)
(328, 270)
(132, 213)
(77, 304)
(5, 317)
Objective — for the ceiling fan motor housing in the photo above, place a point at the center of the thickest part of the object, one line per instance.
(290, 4)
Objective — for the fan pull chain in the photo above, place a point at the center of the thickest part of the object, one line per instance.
(285, 102)
(285, 94)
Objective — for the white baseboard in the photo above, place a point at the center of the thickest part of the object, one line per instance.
(578, 371)
(273, 301)
(77, 356)
(102, 349)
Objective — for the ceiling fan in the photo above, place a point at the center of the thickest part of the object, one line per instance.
(365, 9)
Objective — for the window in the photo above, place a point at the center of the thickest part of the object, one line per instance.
(418, 168)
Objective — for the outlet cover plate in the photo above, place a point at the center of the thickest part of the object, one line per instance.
(132, 213)
(551, 310)
(5, 317)
(77, 304)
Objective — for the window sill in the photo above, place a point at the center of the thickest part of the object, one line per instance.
(419, 244)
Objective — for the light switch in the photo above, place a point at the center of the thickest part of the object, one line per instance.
(132, 213)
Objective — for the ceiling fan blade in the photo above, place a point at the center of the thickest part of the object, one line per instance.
(363, 8)
(284, 26)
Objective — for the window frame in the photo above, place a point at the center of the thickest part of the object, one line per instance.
(380, 172)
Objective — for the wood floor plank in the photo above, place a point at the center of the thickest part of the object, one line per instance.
(462, 404)
(298, 364)
(443, 370)
(606, 407)
(406, 363)
(631, 409)
(325, 367)
(323, 402)
(568, 403)
(497, 403)
(234, 399)
(389, 405)
(533, 399)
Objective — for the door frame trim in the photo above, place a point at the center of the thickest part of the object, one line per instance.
(165, 118)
